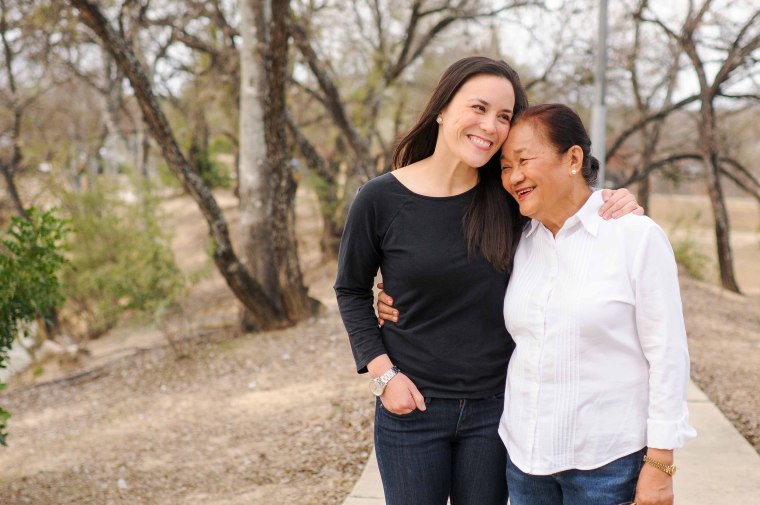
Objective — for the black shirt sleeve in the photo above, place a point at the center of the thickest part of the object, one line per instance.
(358, 263)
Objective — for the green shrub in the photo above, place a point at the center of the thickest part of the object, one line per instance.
(689, 258)
(30, 260)
(120, 259)
(213, 173)
(686, 250)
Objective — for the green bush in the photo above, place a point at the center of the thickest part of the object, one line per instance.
(120, 259)
(689, 258)
(30, 260)
(688, 255)
(213, 173)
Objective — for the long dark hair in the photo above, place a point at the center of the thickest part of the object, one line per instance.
(492, 223)
(564, 129)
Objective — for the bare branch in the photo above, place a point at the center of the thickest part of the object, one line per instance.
(661, 114)
(316, 162)
(332, 99)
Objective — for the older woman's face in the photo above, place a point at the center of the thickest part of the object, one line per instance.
(533, 172)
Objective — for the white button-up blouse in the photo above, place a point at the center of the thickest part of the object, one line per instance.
(601, 365)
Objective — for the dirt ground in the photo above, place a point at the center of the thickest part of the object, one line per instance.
(213, 417)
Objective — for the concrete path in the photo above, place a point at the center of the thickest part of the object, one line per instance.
(719, 467)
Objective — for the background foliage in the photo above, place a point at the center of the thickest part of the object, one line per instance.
(30, 261)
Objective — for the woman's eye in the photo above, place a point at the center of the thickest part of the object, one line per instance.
(505, 168)
(506, 118)
(479, 108)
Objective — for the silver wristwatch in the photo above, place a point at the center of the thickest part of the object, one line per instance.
(377, 385)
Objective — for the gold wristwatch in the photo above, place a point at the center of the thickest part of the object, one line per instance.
(668, 469)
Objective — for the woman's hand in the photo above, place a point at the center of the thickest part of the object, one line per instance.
(401, 396)
(655, 487)
(619, 202)
(385, 310)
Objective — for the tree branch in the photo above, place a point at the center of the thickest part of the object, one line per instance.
(623, 136)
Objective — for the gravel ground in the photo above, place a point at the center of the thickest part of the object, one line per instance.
(279, 417)
(270, 418)
(724, 344)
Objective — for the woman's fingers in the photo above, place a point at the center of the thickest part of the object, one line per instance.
(618, 203)
(385, 308)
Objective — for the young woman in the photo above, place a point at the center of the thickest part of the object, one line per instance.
(443, 232)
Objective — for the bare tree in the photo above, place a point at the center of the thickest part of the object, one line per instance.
(742, 44)
(248, 290)
(658, 85)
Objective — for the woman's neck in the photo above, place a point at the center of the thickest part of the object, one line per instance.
(566, 208)
(438, 176)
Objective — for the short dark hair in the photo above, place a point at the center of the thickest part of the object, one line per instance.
(563, 127)
(492, 223)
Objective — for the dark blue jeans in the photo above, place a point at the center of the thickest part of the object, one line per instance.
(451, 450)
(610, 484)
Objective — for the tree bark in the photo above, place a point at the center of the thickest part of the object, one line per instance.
(326, 188)
(10, 185)
(710, 155)
(245, 287)
(10, 167)
(266, 185)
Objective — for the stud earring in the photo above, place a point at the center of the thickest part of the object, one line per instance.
(573, 171)
(439, 120)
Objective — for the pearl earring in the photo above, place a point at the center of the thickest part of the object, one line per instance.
(573, 171)
(439, 120)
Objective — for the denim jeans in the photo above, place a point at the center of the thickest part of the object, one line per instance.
(452, 449)
(610, 484)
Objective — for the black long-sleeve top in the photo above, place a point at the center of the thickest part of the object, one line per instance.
(450, 339)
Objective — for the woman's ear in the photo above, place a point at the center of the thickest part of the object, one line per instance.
(575, 158)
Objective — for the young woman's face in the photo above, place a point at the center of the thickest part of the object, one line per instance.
(533, 172)
(475, 123)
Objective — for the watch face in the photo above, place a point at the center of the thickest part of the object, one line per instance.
(376, 387)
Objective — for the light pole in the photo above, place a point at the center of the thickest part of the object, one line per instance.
(599, 111)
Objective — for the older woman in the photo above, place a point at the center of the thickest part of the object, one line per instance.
(595, 398)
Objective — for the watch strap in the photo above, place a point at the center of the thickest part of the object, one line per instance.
(377, 385)
(388, 375)
(668, 469)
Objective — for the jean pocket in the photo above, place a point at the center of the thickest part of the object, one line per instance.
(397, 416)
(408, 415)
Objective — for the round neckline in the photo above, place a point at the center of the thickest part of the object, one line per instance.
(439, 198)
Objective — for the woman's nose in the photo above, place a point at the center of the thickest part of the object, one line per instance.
(516, 176)
(488, 124)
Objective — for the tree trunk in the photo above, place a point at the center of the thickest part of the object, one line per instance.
(651, 139)
(710, 153)
(10, 185)
(643, 193)
(266, 186)
(245, 288)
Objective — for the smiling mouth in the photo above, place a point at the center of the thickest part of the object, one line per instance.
(480, 142)
(524, 192)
